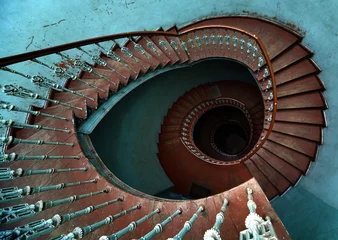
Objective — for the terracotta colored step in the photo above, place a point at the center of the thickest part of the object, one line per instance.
(113, 83)
(287, 170)
(309, 116)
(180, 109)
(299, 144)
(171, 121)
(201, 93)
(119, 68)
(305, 84)
(276, 39)
(77, 102)
(310, 132)
(159, 55)
(297, 70)
(169, 144)
(166, 48)
(304, 100)
(277, 179)
(192, 100)
(194, 94)
(184, 103)
(147, 60)
(290, 56)
(268, 188)
(296, 159)
(76, 85)
(125, 70)
(131, 63)
(212, 91)
(174, 114)
(193, 50)
(92, 93)
(178, 49)
(171, 128)
(205, 49)
(169, 135)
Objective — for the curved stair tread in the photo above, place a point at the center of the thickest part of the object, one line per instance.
(167, 49)
(304, 100)
(289, 155)
(78, 86)
(172, 128)
(305, 84)
(67, 97)
(268, 188)
(301, 145)
(287, 170)
(308, 116)
(295, 71)
(276, 178)
(309, 132)
(123, 69)
(81, 103)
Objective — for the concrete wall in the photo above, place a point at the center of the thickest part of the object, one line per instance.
(56, 22)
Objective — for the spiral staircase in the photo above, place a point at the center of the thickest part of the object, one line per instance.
(49, 155)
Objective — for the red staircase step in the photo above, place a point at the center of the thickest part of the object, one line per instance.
(172, 121)
(189, 97)
(296, 159)
(169, 136)
(159, 55)
(167, 49)
(171, 128)
(290, 56)
(201, 93)
(304, 100)
(174, 114)
(268, 188)
(131, 63)
(122, 68)
(299, 144)
(66, 97)
(297, 70)
(193, 51)
(310, 132)
(287, 170)
(277, 179)
(77, 102)
(305, 84)
(76, 85)
(309, 116)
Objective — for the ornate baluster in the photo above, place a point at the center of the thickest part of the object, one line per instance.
(41, 227)
(152, 47)
(131, 227)
(14, 124)
(5, 158)
(213, 40)
(18, 212)
(185, 47)
(163, 44)
(140, 49)
(227, 42)
(174, 46)
(257, 228)
(7, 174)
(192, 45)
(102, 62)
(79, 233)
(22, 92)
(86, 67)
(9, 107)
(159, 227)
(242, 44)
(115, 57)
(9, 140)
(220, 41)
(47, 83)
(65, 74)
(214, 232)
(127, 52)
(15, 193)
(234, 42)
(266, 73)
(188, 225)
(206, 41)
(270, 96)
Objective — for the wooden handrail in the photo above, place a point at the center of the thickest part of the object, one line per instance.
(43, 52)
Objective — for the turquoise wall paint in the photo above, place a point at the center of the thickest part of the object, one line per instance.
(21, 20)
(133, 124)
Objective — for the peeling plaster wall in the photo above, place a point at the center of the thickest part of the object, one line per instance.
(57, 22)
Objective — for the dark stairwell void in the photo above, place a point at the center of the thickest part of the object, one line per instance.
(126, 138)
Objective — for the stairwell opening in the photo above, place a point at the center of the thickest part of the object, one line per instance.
(128, 146)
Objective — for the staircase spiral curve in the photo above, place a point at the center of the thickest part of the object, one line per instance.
(48, 162)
